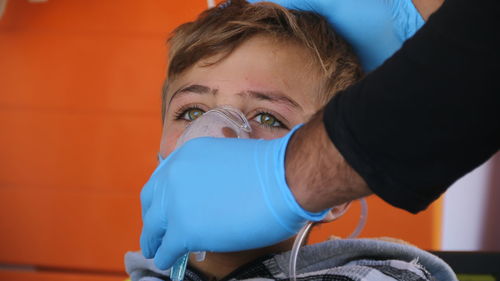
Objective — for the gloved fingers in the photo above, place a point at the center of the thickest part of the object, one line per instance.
(153, 231)
(170, 250)
(305, 5)
(408, 18)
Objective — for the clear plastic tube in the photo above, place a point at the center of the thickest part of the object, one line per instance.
(179, 268)
(221, 122)
(299, 239)
(362, 219)
(292, 265)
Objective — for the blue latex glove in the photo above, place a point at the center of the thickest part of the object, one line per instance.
(375, 28)
(219, 195)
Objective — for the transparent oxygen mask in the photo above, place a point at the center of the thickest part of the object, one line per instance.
(229, 122)
(221, 122)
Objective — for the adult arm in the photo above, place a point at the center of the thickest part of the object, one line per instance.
(425, 118)
(317, 173)
(427, 7)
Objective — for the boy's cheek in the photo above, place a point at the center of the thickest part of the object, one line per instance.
(169, 140)
(259, 132)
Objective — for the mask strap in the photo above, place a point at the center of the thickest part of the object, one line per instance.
(160, 158)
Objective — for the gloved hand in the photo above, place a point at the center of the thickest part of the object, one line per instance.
(375, 28)
(221, 195)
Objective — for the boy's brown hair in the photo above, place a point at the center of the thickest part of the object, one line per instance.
(220, 30)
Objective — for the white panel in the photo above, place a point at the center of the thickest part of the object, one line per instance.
(465, 210)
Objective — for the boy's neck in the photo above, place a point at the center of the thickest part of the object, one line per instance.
(218, 265)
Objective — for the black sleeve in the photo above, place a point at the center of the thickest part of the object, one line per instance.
(431, 113)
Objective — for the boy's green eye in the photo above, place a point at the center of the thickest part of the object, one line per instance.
(268, 120)
(192, 114)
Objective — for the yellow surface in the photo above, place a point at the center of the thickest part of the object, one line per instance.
(475, 277)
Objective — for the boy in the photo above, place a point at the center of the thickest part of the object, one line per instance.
(262, 59)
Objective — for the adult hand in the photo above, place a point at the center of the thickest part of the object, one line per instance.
(375, 28)
(230, 197)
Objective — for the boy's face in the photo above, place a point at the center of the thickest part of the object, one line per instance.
(271, 83)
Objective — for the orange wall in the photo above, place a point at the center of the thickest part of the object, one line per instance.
(80, 86)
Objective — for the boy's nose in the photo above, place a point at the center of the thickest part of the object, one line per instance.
(229, 133)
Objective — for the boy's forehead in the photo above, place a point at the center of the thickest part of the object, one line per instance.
(260, 64)
(261, 59)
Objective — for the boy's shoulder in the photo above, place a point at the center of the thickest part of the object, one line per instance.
(365, 259)
(342, 259)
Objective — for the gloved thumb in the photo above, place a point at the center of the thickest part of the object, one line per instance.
(170, 251)
(153, 231)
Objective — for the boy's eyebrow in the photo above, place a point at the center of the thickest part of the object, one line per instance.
(271, 96)
(193, 88)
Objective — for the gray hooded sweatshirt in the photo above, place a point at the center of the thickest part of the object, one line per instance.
(335, 260)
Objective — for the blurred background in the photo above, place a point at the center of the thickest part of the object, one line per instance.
(80, 84)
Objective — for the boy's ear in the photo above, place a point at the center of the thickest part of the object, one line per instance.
(336, 212)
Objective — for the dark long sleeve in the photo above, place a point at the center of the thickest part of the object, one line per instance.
(431, 113)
